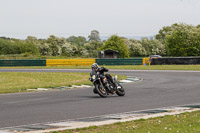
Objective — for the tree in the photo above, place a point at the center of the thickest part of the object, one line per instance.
(31, 39)
(94, 36)
(184, 41)
(198, 26)
(68, 50)
(180, 39)
(7, 47)
(79, 41)
(93, 45)
(15, 46)
(136, 49)
(166, 30)
(55, 49)
(5, 38)
(45, 49)
(27, 47)
(153, 46)
(91, 48)
(56, 44)
(118, 44)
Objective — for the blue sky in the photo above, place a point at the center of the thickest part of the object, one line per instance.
(63, 18)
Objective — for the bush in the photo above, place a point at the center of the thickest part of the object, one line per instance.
(118, 44)
(17, 47)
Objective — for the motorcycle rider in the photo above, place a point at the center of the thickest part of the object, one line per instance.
(96, 69)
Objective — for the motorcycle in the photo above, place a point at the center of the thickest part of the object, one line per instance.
(104, 86)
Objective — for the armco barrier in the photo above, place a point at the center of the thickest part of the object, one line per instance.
(176, 61)
(69, 62)
(22, 62)
(128, 61)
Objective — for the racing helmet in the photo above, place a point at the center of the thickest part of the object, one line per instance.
(95, 66)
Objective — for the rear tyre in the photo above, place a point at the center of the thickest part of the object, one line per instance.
(101, 90)
(120, 90)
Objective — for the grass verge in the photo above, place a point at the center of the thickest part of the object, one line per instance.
(127, 67)
(181, 123)
(11, 82)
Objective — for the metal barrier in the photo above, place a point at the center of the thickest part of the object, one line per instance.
(74, 62)
(69, 62)
(128, 61)
(22, 62)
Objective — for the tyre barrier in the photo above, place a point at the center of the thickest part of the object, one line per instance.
(176, 61)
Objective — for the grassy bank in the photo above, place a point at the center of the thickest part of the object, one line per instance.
(157, 67)
(126, 67)
(182, 123)
(11, 82)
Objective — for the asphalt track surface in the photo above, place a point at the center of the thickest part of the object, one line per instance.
(158, 89)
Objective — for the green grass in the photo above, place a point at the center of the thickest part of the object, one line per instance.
(157, 67)
(126, 67)
(11, 82)
(182, 123)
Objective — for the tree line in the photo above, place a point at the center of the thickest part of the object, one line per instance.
(179, 39)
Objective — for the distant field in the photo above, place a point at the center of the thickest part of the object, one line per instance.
(127, 67)
(11, 82)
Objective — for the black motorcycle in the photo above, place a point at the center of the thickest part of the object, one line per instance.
(105, 84)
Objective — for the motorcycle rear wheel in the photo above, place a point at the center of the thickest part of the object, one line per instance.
(120, 91)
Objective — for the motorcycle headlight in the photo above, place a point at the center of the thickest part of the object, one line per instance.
(93, 77)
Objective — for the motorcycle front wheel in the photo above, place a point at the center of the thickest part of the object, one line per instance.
(120, 90)
(101, 90)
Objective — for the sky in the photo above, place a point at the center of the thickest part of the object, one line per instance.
(64, 18)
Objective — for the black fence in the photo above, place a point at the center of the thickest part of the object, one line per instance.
(176, 61)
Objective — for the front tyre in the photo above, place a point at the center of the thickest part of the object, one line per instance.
(120, 90)
(101, 90)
